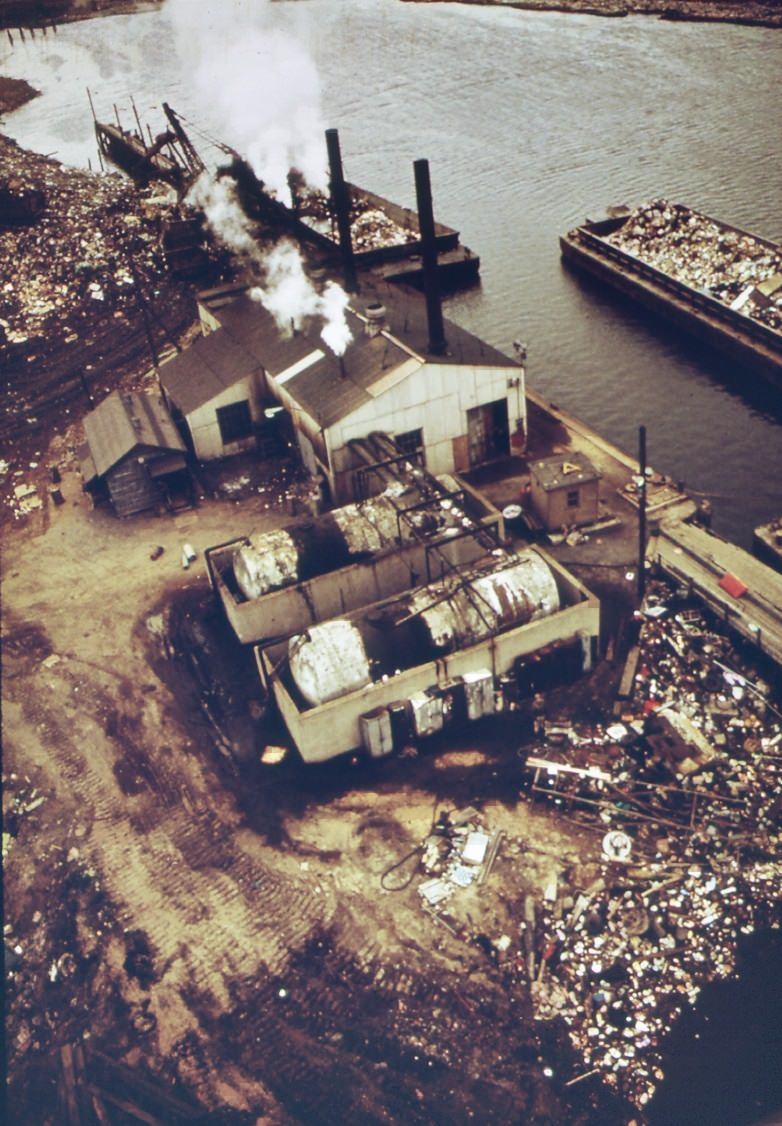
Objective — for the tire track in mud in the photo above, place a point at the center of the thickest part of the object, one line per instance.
(171, 867)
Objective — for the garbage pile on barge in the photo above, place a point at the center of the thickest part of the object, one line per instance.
(733, 267)
(370, 227)
(691, 812)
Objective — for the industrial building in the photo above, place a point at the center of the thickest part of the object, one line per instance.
(134, 455)
(432, 386)
(461, 407)
(215, 387)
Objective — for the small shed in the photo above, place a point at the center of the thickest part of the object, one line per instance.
(134, 453)
(216, 386)
(564, 490)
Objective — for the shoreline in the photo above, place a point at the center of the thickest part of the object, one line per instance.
(14, 93)
(755, 13)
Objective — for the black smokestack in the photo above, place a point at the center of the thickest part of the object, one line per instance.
(434, 311)
(340, 201)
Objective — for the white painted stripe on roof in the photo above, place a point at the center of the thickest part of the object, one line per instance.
(299, 366)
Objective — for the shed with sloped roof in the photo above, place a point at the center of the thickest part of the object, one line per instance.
(134, 453)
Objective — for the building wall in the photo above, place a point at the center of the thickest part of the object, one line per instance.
(205, 428)
(130, 487)
(436, 398)
(553, 508)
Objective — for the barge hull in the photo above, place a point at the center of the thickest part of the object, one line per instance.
(732, 334)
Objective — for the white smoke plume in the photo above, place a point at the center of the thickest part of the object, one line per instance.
(217, 199)
(290, 297)
(257, 83)
(286, 292)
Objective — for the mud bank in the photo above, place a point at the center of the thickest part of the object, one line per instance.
(766, 14)
(14, 92)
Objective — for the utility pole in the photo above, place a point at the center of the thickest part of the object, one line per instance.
(641, 485)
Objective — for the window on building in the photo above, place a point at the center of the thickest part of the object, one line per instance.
(235, 422)
(411, 442)
(572, 498)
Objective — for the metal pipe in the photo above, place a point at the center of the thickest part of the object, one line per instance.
(340, 201)
(641, 513)
(434, 311)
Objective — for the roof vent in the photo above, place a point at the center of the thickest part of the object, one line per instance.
(376, 318)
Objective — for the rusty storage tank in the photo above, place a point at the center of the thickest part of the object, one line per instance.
(328, 661)
(272, 560)
(331, 660)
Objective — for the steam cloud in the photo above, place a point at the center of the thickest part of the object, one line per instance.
(290, 297)
(258, 84)
(287, 293)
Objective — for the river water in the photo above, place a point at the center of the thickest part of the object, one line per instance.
(531, 122)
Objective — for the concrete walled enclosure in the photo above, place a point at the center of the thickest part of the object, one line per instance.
(339, 591)
(323, 732)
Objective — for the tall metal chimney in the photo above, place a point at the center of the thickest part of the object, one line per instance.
(340, 201)
(434, 310)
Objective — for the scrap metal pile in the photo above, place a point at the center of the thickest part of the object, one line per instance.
(457, 853)
(691, 817)
(734, 268)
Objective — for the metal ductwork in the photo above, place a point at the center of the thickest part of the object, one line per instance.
(434, 310)
(340, 202)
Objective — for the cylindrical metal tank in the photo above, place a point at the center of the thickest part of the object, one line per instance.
(511, 596)
(338, 657)
(328, 662)
(267, 562)
(271, 560)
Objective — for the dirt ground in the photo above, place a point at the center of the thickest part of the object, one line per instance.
(228, 932)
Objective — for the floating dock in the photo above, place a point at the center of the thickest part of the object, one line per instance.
(744, 593)
(717, 282)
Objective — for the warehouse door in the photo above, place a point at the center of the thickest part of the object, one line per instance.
(487, 432)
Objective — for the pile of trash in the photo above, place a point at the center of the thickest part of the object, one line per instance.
(686, 788)
(734, 268)
(458, 853)
(370, 227)
(72, 259)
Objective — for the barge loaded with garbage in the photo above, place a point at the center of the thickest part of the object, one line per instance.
(711, 279)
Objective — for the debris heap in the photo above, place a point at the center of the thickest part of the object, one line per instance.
(686, 789)
(72, 259)
(371, 228)
(734, 268)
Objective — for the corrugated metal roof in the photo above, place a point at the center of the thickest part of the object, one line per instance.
(328, 389)
(124, 421)
(211, 365)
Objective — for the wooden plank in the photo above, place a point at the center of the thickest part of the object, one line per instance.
(69, 1085)
(625, 690)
